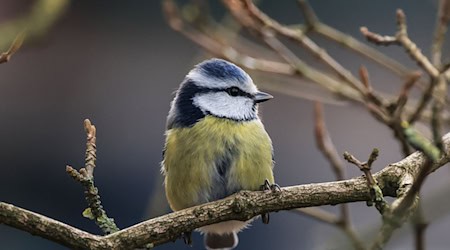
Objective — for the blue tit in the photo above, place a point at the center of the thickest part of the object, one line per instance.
(216, 145)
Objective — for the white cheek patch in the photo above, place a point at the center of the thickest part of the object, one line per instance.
(223, 105)
(209, 82)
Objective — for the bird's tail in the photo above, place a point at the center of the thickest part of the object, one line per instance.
(221, 241)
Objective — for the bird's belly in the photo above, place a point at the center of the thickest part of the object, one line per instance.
(215, 158)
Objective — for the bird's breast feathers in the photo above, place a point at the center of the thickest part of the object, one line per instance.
(215, 158)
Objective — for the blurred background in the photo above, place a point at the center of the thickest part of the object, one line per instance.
(118, 63)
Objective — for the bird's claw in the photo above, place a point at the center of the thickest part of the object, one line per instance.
(268, 187)
(265, 218)
(272, 187)
(187, 238)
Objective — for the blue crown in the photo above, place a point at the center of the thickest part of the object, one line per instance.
(223, 70)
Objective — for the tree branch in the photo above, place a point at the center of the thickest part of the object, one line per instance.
(241, 206)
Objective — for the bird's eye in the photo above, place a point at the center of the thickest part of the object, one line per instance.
(233, 91)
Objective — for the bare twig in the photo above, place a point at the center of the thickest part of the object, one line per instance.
(314, 24)
(85, 176)
(398, 110)
(42, 15)
(411, 47)
(436, 125)
(331, 219)
(424, 100)
(240, 55)
(259, 64)
(442, 20)
(373, 103)
(369, 93)
(403, 96)
(91, 148)
(437, 110)
(318, 214)
(375, 191)
(215, 47)
(15, 46)
(402, 38)
(377, 38)
(326, 146)
(299, 37)
(420, 226)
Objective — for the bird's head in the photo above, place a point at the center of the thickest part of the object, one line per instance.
(219, 88)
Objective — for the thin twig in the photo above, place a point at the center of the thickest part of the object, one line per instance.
(369, 93)
(326, 146)
(375, 190)
(241, 58)
(302, 39)
(411, 47)
(424, 100)
(318, 214)
(215, 47)
(377, 38)
(398, 110)
(373, 103)
(15, 46)
(40, 17)
(439, 103)
(436, 124)
(85, 176)
(315, 25)
(402, 38)
(420, 225)
(91, 148)
(404, 93)
(442, 20)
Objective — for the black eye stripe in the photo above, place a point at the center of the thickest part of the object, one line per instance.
(236, 91)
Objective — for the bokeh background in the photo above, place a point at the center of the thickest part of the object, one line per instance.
(118, 63)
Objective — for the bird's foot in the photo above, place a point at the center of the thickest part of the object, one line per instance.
(268, 187)
(187, 238)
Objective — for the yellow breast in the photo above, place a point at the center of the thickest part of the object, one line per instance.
(193, 154)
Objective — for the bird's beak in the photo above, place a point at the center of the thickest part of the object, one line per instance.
(262, 97)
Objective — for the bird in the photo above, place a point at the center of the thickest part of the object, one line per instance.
(216, 144)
